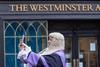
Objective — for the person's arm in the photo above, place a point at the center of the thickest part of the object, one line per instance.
(24, 52)
(36, 60)
(28, 57)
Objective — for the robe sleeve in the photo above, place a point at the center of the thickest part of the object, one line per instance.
(53, 60)
(36, 60)
(32, 59)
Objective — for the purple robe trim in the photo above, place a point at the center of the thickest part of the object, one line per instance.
(33, 59)
(44, 61)
(62, 56)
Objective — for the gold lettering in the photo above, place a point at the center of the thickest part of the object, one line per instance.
(33, 7)
(84, 7)
(73, 8)
(53, 7)
(45, 8)
(12, 7)
(67, 7)
(19, 7)
(63, 5)
(50, 7)
(90, 7)
(97, 8)
(25, 7)
(87, 7)
(57, 7)
(78, 7)
(40, 7)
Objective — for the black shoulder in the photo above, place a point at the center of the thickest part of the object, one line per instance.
(53, 60)
(40, 63)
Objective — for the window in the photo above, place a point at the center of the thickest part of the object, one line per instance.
(35, 31)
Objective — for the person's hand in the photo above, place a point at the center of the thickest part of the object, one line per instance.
(24, 51)
(22, 46)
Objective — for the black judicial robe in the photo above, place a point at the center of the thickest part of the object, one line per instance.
(56, 59)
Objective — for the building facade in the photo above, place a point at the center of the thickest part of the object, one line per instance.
(77, 20)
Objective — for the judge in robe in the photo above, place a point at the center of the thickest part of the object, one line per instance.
(52, 56)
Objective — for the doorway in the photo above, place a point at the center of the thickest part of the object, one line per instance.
(81, 37)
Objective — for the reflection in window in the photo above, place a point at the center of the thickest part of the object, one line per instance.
(92, 46)
(88, 49)
(35, 36)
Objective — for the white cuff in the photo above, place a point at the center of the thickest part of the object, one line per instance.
(23, 54)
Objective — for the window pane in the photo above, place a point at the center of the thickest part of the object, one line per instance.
(17, 43)
(14, 24)
(31, 31)
(36, 24)
(15, 30)
(41, 31)
(10, 61)
(93, 59)
(42, 43)
(9, 31)
(31, 41)
(9, 45)
(20, 31)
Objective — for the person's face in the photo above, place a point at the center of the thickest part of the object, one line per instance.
(51, 40)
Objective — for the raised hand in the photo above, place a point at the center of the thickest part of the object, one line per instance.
(21, 44)
(24, 51)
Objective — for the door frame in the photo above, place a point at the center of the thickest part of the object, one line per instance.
(76, 46)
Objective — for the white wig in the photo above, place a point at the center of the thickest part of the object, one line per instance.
(59, 44)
